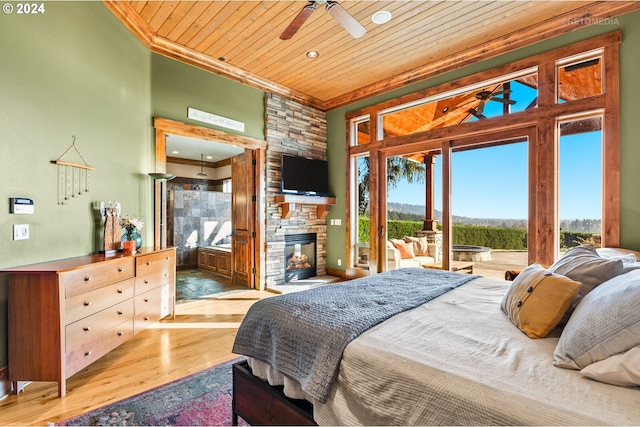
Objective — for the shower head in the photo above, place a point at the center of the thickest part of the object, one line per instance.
(201, 173)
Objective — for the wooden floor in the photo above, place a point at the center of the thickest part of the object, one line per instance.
(201, 336)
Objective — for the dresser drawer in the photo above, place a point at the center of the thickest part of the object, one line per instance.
(83, 305)
(97, 324)
(148, 308)
(162, 273)
(92, 349)
(146, 264)
(93, 276)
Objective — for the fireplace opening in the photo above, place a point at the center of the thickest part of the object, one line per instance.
(299, 256)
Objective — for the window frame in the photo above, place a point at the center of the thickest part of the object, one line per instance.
(540, 126)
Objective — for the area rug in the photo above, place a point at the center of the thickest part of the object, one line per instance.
(201, 399)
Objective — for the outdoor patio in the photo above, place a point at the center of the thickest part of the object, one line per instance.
(500, 262)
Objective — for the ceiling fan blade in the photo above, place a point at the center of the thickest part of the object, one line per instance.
(480, 108)
(504, 101)
(297, 22)
(345, 19)
(476, 114)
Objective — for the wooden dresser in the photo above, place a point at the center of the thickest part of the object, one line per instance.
(64, 315)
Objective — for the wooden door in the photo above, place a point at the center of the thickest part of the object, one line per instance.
(243, 207)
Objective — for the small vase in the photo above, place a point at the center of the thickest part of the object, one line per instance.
(129, 247)
(133, 237)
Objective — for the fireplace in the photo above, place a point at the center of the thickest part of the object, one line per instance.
(299, 256)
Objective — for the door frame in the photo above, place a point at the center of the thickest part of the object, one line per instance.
(166, 126)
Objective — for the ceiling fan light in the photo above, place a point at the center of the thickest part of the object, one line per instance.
(381, 17)
(313, 54)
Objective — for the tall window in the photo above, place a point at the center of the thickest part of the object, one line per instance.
(580, 181)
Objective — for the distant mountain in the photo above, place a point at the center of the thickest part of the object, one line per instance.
(416, 213)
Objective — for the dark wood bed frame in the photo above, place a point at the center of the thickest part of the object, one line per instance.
(259, 403)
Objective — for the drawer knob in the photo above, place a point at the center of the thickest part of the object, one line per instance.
(120, 311)
(146, 281)
(87, 278)
(120, 333)
(146, 300)
(87, 303)
(86, 328)
(146, 318)
(120, 269)
(88, 353)
(120, 291)
(148, 262)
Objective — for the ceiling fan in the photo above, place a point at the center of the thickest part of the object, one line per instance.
(336, 11)
(487, 95)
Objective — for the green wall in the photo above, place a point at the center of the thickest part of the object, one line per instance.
(177, 86)
(73, 70)
(629, 128)
(76, 70)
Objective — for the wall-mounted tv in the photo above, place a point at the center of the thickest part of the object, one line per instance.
(301, 175)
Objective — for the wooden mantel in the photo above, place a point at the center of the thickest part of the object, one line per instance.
(288, 202)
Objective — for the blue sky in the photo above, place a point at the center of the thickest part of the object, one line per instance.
(492, 182)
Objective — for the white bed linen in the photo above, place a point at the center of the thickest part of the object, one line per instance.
(458, 360)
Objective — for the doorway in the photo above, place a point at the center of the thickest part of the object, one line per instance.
(241, 268)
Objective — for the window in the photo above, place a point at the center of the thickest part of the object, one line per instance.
(580, 182)
(497, 97)
(579, 77)
(543, 102)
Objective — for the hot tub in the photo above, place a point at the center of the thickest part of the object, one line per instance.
(471, 253)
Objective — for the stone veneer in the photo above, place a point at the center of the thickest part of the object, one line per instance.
(291, 128)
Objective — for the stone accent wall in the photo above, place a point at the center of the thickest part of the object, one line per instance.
(295, 129)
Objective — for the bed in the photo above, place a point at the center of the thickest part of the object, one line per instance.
(467, 356)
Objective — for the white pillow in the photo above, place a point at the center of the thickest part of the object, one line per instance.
(629, 262)
(620, 369)
(606, 322)
(626, 258)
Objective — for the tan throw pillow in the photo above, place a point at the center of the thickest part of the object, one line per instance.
(537, 299)
(405, 248)
(420, 245)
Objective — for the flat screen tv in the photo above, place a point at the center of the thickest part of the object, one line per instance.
(304, 176)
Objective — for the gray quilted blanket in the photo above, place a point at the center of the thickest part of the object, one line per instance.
(303, 334)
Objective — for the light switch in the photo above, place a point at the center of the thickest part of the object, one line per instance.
(20, 231)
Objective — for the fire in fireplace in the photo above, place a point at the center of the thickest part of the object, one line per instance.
(300, 256)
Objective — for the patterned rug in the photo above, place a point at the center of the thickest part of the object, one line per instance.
(201, 399)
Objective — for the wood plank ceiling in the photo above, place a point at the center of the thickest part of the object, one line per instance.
(240, 40)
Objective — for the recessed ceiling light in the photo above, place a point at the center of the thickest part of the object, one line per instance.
(313, 54)
(175, 152)
(381, 17)
(209, 157)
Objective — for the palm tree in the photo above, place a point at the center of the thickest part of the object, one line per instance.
(398, 168)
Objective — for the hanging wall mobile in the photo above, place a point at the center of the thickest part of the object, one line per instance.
(73, 178)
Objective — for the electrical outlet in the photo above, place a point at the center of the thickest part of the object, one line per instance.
(20, 231)
(339, 261)
(338, 221)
